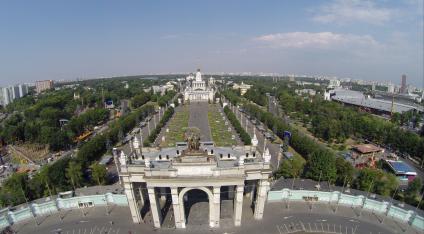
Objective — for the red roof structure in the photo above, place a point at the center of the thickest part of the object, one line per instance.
(367, 149)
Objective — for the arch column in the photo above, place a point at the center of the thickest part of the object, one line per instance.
(261, 196)
(217, 205)
(179, 221)
(132, 202)
(238, 204)
(155, 207)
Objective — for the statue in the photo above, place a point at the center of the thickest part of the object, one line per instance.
(123, 159)
(192, 136)
(266, 156)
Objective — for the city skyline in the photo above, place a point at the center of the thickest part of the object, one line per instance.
(378, 40)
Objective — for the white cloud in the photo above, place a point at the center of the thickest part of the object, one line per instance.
(347, 11)
(320, 40)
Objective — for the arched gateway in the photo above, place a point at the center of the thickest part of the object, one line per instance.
(153, 177)
(183, 192)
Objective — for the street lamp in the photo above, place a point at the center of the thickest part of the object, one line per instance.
(107, 208)
(365, 199)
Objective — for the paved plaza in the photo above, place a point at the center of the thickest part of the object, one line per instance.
(199, 118)
(278, 219)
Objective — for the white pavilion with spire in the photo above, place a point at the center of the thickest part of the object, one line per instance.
(197, 89)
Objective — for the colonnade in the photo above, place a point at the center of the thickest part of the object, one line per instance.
(257, 195)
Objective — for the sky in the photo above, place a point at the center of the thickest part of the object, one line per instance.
(371, 40)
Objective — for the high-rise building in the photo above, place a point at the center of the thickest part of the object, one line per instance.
(403, 84)
(6, 96)
(15, 91)
(23, 90)
(391, 88)
(10, 93)
(42, 85)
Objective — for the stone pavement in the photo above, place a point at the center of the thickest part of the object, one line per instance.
(199, 118)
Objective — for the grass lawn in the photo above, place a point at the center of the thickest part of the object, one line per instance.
(219, 131)
(177, 125)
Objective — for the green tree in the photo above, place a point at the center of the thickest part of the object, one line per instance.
(376, 181)
(422, 131)
(322, 163)
(98, 173)
(345, 171)
(74, 173)
(386, 183)
(14, 190)
(57, 175)
(291, 168)
(41, 184)
(366, 179)
(413, 190)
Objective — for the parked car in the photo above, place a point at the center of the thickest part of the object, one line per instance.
(269, 136)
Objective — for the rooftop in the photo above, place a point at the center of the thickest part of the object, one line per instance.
(358, 99)
(367, 148)
(400, 167)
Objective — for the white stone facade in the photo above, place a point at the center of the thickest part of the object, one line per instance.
(197, 89)
(176, 171)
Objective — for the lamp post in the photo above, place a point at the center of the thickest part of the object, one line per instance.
(319, 180)
(148, 127)
(390, 204)
(365, 199)
(107, 208)
(26, 201)
(338, 200)
(415, 210)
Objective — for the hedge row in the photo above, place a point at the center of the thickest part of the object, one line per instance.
(165, 118)
(96, 147)
(244, 136)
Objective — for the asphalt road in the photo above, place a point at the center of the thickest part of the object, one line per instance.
(278, 219)
(274, 149)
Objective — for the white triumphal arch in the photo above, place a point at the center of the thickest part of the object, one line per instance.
(154, 176)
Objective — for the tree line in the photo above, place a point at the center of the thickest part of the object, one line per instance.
(244, 136)
(154, 134)
(322, 163)
(68, 173)
(333, 122)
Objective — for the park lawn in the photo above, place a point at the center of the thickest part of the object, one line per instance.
(177, 125)
(219, 131)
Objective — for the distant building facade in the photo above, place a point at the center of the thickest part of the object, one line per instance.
(10, 93)
(403, 88)
(23, 90)
(197, 89)
(334, 84)
(243, 87)
(43, 85)
(391, 88)
(310, 92)
(162, 89)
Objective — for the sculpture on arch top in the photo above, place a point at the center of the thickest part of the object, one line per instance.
(192, 136)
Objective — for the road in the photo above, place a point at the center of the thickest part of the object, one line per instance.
(278, 219)
(250, 128)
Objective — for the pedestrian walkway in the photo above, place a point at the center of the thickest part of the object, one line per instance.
(199, 119)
